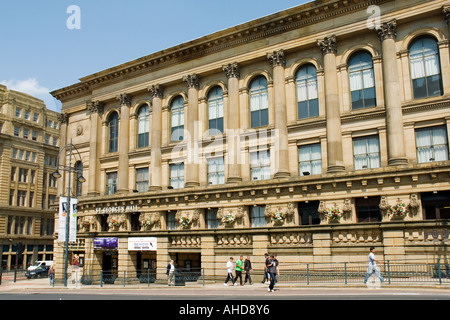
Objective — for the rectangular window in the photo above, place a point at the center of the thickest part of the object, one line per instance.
(23, 175)
(216, 171)
(34, 135)
(177, 175)
(172, 223)
(111, 183)
(27, 115)
(26, 133)
(21, 198)
(310, 159)
(260, 165)
(432, 144)
(368, 209)
(142, 180)
(47, 139)
(211, 218)
(16, 131)
(18, 112)
(35, 117)
(366, 152)
(13, 174)
(257, 217)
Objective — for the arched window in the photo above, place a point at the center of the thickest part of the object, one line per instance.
(425, 68)
(215, 110)
(259, 102)
(307, 97)
(177, 119)
(362, 80)
(143, 126)
(113, 127)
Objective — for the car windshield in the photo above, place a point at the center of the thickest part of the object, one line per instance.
(36, 264)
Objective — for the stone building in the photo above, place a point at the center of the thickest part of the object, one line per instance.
(314, 133)
(29, 139)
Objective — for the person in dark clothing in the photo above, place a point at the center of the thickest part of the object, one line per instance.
(273, 269)
(248, 269)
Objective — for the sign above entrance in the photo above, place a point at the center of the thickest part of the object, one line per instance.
(142, 244)
(118, 209)
(106, 243)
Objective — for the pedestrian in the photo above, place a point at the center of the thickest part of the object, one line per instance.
(274, 271)
(230, 267)
(239, 269)
(248, 269)
(170, 273)
(51, 275)
(266, 274)
(372, 266)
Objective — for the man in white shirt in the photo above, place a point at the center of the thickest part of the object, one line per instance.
(372, 266)
(170, 273)
(230, 267)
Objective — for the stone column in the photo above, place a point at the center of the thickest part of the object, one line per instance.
(124, 133)
(328, 47)
(156, 91)
(191, 164)
(232, 130)
(392, 95)
(94, 108)
(281, 155)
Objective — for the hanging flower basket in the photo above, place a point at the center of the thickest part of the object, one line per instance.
(228, 218)
(146, 223)
(399, 209)
(334, 213)
(113, 223)
(184, 222)
(277, 216)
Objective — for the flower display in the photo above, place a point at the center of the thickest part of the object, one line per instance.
(184, 222)
(334, 213)
(228, 218)
(112, 222)
(398, 209)
(277, 216)
(146, 223)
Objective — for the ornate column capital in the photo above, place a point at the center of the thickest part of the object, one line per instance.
(95, 106)
(156, 91)
(231, 70)
(63, 118)
(388, 30)
(192, 80)
(125, 99)
(277, 58)
(328, 44)
(446, 12)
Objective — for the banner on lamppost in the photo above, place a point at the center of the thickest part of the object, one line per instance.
(65, 209)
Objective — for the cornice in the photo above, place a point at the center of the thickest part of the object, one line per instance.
(290, 19)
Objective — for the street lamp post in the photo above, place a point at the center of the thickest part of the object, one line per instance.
(81, 179)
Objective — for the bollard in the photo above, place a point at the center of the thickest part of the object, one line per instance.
(345, 272)
(101, 279)
(389, 272)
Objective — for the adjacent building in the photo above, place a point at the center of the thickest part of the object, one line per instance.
(314, 133)
(29, 140)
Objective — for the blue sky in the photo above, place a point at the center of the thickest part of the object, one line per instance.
(39, 53)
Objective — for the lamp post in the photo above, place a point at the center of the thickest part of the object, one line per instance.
(81, 179)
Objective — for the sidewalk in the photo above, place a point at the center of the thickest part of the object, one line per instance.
(44, 284)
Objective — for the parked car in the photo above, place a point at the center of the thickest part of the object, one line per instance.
(39, 272)
(40, 263)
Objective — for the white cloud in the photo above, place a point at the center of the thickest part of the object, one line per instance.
(32, 87)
